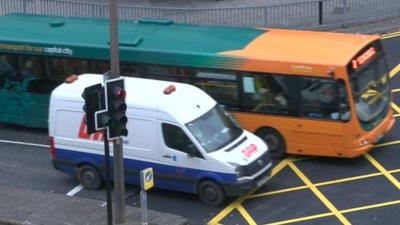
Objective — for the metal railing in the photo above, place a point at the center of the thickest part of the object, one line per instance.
(304, 14)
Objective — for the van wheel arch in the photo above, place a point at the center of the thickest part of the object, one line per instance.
(89, 176)
(275, 141)
(210, 192)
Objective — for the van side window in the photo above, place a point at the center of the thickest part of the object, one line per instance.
(175, 138)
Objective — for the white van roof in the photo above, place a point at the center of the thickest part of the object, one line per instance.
(185, 104)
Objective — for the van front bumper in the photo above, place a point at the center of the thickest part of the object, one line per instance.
(245, 186)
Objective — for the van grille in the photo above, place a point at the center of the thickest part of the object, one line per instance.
(257, 165)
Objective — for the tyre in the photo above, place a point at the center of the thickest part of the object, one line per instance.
(211, 193)
(89, 177)
(275, 142)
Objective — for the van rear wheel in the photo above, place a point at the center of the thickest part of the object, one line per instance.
(275, 142)
(211, 193)
(89, 177)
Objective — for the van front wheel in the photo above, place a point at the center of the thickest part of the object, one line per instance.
(89, 177)
(211, 193)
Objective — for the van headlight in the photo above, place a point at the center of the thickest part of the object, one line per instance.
(239, 170)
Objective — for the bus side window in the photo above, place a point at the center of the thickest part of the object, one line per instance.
(100, 67)
(31, 66)
(221, 85)
(170, 73)
(7, 70)
(265, 93)
(130, 69)
(319, 98)
(344, 109)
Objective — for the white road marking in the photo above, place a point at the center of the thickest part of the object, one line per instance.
(24, 143)
(75, 190)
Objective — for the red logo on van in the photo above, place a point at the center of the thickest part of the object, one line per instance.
(98, 136)
(250, 150)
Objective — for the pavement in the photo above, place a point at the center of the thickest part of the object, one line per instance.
(28, 207)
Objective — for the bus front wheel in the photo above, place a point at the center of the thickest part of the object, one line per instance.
(275, 142)
(89, 177)
(211, 193)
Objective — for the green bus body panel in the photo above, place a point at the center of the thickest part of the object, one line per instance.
(169, 43)
(25, 109)
(148, 41)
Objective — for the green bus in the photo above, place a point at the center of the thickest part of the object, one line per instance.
(37, 52)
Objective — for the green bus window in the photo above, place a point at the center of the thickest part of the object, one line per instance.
(60, 68)
(168, 73)
(31, 67)
(7, 69)
(221, 85)
(100, 67)
(130, 69)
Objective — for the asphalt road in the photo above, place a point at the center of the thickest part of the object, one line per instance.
(24, 162)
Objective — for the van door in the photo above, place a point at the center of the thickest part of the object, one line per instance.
(182, 156)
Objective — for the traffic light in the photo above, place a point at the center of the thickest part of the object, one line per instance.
(116, 106)
(94, 101)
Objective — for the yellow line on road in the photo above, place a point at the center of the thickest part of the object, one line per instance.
(237, 203)
(395, 90)
(315, 190)
(361, 208)
(387, 144)
(395, 107)
(301, 219)
(383, 170)
(391, 35)
(280, 191)
(246, 215)
(371, 206)
(348, 179)
(394, 71)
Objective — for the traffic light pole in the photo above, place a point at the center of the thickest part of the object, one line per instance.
(108, 179)
(119, 183)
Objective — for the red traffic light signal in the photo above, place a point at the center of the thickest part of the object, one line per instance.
(116, 107)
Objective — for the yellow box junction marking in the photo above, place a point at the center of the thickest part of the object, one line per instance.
(383, 170)
(387, 144)
(395, 107)
(394, 71)
(312, 217)
(391, 35)
(246, 215)
(237, 203)
(321, 197)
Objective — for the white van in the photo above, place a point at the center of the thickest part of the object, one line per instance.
(192, 144)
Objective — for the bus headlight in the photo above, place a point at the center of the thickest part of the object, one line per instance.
(364, 142)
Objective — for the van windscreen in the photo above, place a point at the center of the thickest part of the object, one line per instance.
(215, 129)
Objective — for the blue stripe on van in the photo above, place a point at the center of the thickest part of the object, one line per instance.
(165, 176)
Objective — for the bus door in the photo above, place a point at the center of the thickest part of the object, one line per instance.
(323, 110)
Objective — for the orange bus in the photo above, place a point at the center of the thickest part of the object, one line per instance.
(303, 92)
(325, 93)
